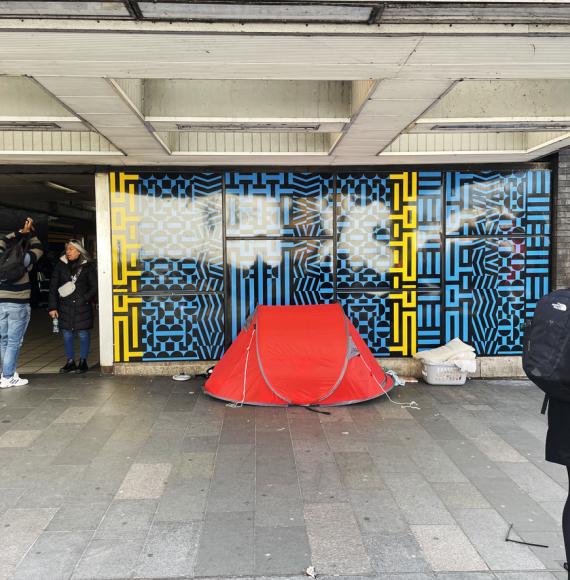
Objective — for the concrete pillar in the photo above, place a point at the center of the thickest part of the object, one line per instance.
(104, 270)
(561, 238)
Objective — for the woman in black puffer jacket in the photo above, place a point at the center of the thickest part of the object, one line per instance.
(74, 311)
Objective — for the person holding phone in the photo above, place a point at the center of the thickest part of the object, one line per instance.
(73, 286)
(19, 252)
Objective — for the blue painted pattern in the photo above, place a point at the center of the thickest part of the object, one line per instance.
(365, 230)
(180, 233)
(498, 203)
(277, 272)
(481, 238)
(278, 204)
(182, 327)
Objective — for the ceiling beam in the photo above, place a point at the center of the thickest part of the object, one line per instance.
(391, 107)
(134, 9)
(376, 13)
(101, 103)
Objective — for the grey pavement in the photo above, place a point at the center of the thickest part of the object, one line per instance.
(137, 477)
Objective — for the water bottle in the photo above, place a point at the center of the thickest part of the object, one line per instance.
(55, 322)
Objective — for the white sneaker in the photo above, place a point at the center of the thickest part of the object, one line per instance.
(14, 381)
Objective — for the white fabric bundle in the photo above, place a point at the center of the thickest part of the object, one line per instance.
(455, 351)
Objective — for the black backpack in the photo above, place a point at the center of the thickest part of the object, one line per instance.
(546, 346)
(12, 263)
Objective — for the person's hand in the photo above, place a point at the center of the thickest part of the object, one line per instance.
(28, 226)
(54, 313)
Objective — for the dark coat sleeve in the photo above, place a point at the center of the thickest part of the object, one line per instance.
(92, 283)
(53, 300)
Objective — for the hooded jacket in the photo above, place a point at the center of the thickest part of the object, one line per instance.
(20, 291)
(75, 311)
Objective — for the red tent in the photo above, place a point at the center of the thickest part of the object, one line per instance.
(298, 355)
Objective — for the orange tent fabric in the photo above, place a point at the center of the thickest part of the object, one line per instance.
(298, 355)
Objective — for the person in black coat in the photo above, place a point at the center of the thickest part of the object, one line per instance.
(72, 305)
(558, 451)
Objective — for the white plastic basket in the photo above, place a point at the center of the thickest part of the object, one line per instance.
(443, 374)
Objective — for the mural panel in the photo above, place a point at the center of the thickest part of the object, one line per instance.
(389, 230)
(395, 323)
(414, 257)
(277, 272)
(281, 204)
(168, 275)
(187, 327)
(492, 285)
(497, 202)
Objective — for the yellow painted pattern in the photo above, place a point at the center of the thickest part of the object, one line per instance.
(125, 249)
(404, 247)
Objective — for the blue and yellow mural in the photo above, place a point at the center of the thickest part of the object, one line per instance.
(414, 257)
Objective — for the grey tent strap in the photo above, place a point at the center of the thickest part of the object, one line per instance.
(235, 404)
(410, 405)
(316, 410)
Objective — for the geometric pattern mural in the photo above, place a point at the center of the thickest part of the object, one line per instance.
(182, 327)
(497, 203)
(276, 272)
(414, 257)
(176, 253)
(492, 285)
(180, 233)
(369, 232)
(281, 204)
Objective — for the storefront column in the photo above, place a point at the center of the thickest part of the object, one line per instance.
(561, 254)
(104, 269)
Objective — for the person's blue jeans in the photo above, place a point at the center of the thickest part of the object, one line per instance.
(84, 343)
(14, 319)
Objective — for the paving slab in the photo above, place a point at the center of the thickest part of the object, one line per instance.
(534, 481)
(108, 559)
(226, 545)
(418, 501)
(552, 557)
(71, 517)
(457, 496)
(183, 501)
(19, 438)
(497, 449)
(396, 552)
(448, 549)
(336, 542)
(377, 512)
(434, 464)
(529, 576)
(169, 551)
(487, 531)
(320, 481)
(77, 415)
(281, 550)
(127, 519)
(358, 471)
(144, 481)
(53, 555)
(278, 505)
(19, 529)
(516, 506)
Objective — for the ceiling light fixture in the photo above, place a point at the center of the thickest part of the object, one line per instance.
(498, 127)
(60, 187)
(245, 126)
(28, 126)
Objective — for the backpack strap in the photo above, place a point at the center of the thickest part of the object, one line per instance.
(544, 405)
(76, 275)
